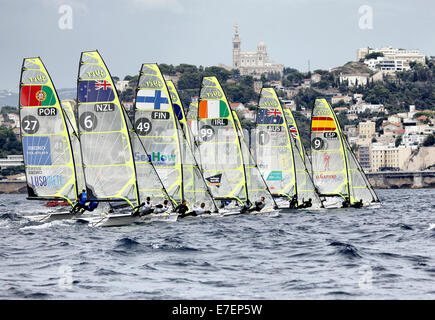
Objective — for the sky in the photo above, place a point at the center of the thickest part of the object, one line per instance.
(131, 32)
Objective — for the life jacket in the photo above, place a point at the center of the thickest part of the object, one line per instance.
(83, 198)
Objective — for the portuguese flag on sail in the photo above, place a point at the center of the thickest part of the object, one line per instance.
(213, 109)
(36, 96)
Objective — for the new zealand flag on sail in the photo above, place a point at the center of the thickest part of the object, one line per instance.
(95, 91)
(269, 116)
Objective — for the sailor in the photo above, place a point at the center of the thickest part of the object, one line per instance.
(202, 210)
(259, 205)
(294, 202)
(182, 210)
(306, 204)
(346, 203)
(358, 204)
(224, 203)
(92, 206)
(161, 208)
(147, 207)
(81, 202)
(246, 206)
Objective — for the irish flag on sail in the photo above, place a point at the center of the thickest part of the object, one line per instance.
(213, 109)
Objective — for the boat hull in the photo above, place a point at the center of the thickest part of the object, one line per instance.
(119, 220)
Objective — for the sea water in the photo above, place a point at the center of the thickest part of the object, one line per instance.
(368, 253)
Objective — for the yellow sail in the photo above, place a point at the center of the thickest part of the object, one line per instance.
(273, 147)
(156, 125)
(107, 152)
(218, 144)
(179, 111)
(294, 131)
(48, 154)
(336, 171)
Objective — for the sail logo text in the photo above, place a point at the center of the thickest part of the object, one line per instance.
(152, 84)
(213, 94)
(155, 157)
(96, 74)
(46, 181)
(326, 176)
(39, 78)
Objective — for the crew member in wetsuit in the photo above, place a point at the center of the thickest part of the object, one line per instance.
(346, 203)
(147, 207)
(81, 202)
(202, 210)
(92, 206)
(358, 204)
(259, 205)
(294, 202)
(306, 204)
(161, 208)
(182, 210)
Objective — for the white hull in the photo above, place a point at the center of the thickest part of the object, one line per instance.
(161, 217)
(119, 220)
(52, 216)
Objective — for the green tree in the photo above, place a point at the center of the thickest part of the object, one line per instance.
(429, 141)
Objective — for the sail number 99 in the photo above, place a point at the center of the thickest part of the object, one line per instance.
(206, 133)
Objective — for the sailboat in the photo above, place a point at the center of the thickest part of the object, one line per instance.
(294, 130)
(279, 159)
(337, 173)
(50, 149)
(229, 169)
(116, 165)
(179, 112)
(162, 128)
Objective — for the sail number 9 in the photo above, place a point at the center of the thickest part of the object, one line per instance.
(206, 133)
(88, 121)
(30, 124)
(143, 126)
(317, 144)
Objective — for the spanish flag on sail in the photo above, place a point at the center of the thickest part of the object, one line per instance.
(323, 124)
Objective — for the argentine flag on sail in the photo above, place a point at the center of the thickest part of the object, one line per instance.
(152, 100)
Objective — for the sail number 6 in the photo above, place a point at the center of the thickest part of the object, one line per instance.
(88, 121)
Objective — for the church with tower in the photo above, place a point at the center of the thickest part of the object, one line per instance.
(253, 63)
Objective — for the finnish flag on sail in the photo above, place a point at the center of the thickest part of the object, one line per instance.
(152, 100)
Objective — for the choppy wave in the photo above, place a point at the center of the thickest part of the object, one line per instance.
(366, 253)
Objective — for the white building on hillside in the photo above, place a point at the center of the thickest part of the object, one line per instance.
(354, 79)
(387, 65)
(253, 63)
(394, 54)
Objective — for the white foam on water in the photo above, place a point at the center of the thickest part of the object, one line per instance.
(431, 226)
